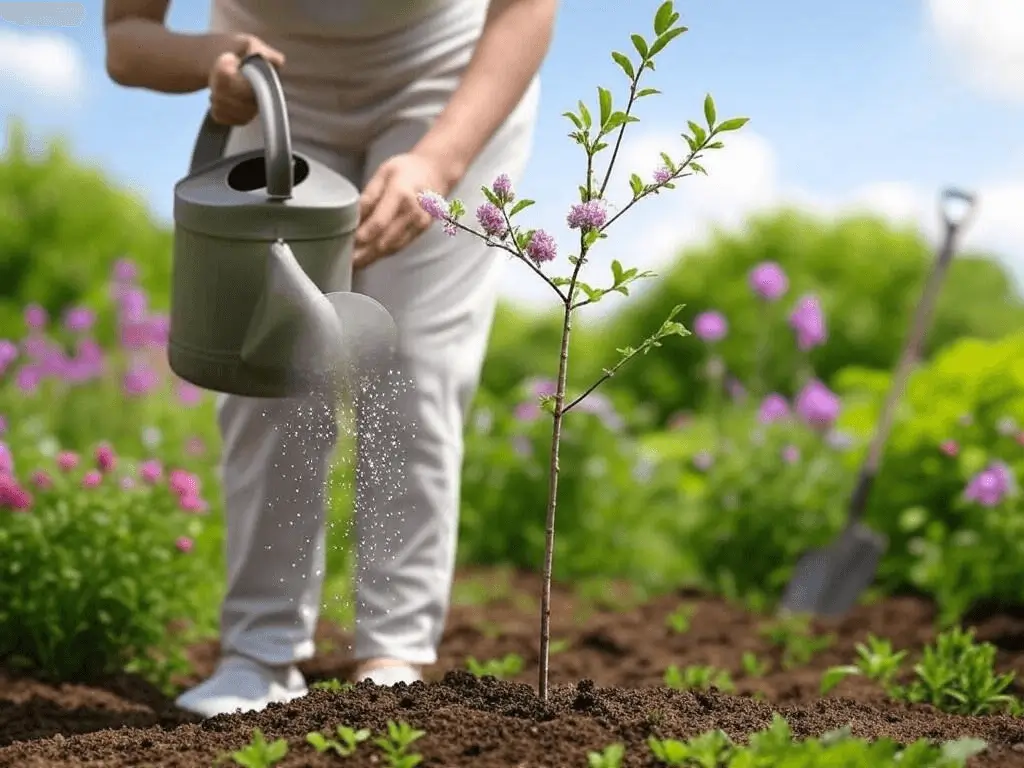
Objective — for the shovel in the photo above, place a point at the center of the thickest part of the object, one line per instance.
(829, 581)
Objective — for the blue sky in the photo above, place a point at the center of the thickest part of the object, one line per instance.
(875, 103)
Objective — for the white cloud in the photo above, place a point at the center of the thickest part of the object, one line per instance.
(745, 178)
(984, 38)
(44, 64)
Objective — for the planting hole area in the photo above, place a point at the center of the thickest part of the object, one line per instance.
(630, 677)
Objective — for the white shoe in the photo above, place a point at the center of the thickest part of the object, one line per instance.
(243, 685)
(392, 674)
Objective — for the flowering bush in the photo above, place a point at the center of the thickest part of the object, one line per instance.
(98, 550)
(760, 478)
(866, 273)
(96, 562)
(947, 495)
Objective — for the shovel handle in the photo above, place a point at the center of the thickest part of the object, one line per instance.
(911, 353)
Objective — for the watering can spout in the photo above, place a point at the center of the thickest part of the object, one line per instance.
(320, 339)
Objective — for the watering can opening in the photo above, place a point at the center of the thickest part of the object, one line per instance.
(250, 175)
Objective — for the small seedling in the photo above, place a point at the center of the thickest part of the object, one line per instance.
(957, 675)
(345, 745)
(708, 749)
(259, 753)
(610, 757)
(775, 746)
(753, 666)
(508, 666)
(679, 620)
(876, 660)
(331, 685)
(799, 644)
(698, 678)
(395, 745)
(558, 646)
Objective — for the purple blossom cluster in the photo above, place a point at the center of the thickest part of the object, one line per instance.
(69, 355)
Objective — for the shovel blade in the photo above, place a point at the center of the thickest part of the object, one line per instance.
(829, 581)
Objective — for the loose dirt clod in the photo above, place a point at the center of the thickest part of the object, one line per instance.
(500, 724)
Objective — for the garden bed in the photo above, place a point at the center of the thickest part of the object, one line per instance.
(623, 648)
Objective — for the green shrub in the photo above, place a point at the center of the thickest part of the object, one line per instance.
(867, 274)
(960, 419)
(63, 225)
(96, 565)
(606, 525)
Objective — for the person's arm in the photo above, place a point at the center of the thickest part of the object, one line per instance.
(143, 53)
(508, 55)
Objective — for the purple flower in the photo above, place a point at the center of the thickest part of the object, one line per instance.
(586, 216)
(769, 281)
(710, 326)
(808, 322)
(541, 247)
(189, 394)
(12, 495)
(35, 317)
(600, 406)
(151, 472)
(437, 207)
(662, 175)
(28, 379)
(773, 408)
(159, 330)
(502, 188)
(133, 305)
(791, 454)
(125, 271)
(817, 404)
(526, 412)
(950, 447)
(139, 380)
(79, 319)
(990, 486)
(736, 390)
(6, 459)
(106, 460)
(91, 479)
(492, 220)
(8, 354)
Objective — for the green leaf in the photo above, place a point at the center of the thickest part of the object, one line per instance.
(962, 749)
(709, 111)
(647, 92)
(624, 64)
(618, 118)
(640, 45)
(604, 98)
(636, 184)
(732, 124)
(665, 39)
(520, 206)
(699, 134)
(575, 120)
(616, 271)
(663, 18)
(836, 675)
(491, 197)
(585, 115)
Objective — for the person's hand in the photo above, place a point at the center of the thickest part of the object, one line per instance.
(232, 101)
(389, 209)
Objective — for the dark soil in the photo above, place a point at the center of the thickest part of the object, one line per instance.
(624, 649)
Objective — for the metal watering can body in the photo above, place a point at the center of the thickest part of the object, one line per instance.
(261, 301)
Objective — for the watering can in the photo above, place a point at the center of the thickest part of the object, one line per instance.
(261, 291)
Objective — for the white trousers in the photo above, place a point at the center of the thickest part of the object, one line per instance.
(442, 293)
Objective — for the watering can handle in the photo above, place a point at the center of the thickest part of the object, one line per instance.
(277, 140)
